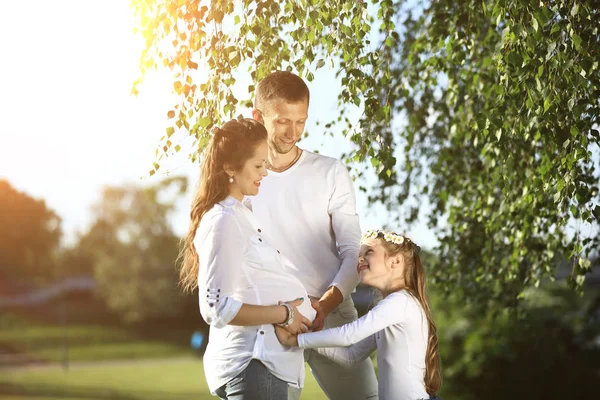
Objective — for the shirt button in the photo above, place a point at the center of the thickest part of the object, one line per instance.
(278, 252)
(262, 332)
(259, 231)
(259, 239)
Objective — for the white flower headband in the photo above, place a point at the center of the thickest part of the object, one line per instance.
(388, 237)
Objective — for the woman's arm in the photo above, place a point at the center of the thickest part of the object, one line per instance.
(250, 315)
(221, 256)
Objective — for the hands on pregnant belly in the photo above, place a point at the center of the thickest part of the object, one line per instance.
(302, 318)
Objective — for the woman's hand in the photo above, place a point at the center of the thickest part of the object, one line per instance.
(301, 323)
(286, 338)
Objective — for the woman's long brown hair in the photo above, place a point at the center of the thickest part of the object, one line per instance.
(231, 146)
(415, 280)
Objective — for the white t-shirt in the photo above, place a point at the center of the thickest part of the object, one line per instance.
(310, 210)
(397, 327)
(238, 264)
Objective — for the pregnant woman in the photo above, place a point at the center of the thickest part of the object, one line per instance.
(241, 278)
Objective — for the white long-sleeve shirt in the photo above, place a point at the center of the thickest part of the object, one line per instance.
(397, 327)
(311, 208)
(238, 264)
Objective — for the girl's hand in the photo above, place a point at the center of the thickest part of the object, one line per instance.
(286, 338)
(301, 324)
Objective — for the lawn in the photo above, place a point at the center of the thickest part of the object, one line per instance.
(87, 334)
(178, 378)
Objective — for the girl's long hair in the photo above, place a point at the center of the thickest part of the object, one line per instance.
(231, 145)
(415, 280)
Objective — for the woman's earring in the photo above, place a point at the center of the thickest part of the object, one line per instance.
(231, 179)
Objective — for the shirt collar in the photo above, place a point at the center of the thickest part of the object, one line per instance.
(231, 201)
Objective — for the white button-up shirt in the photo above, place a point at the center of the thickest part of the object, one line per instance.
(238, 264)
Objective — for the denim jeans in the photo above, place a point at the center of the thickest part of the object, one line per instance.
(256, 382)
(357, 382)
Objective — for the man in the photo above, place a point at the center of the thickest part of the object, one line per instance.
(307, 205)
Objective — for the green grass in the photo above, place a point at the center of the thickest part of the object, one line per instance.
(45, 339)
(181, 378)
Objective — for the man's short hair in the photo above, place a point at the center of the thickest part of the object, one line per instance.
(282, 85)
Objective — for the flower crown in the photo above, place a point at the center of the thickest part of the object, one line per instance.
(388, 237)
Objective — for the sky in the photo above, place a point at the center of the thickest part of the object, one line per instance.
(69, 125)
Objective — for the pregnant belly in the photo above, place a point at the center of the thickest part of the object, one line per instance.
(276, 289)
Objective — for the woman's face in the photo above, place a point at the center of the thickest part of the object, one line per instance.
(246, 180)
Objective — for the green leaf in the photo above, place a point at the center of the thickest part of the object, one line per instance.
(320, 63)
(547, 103)
(170, 131)
(575, 9)
(236, 19)
(534, 23)
(576, 41)
(551, 48)
(574, 131)
(204, 122)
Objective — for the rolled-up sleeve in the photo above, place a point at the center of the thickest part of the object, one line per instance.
(346, 227)
(220, 248)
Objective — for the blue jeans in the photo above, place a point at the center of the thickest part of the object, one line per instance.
(256, 382)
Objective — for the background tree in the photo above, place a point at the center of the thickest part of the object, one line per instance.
(487, 109)
(29, 238)
(547, 349)
(134, 250)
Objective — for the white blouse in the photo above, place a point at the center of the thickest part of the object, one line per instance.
(397, 328)
(239, 265)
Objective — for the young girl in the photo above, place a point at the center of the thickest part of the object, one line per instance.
(400, 327)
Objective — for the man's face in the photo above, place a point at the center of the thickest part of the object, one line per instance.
(284, 123)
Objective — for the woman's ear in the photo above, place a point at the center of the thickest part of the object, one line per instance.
(228, 170)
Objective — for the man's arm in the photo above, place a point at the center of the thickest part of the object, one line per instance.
(346, 227)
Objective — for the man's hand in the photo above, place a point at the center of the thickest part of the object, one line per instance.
(301, 323)
(286, 338)
(319, 320)
(326, 304)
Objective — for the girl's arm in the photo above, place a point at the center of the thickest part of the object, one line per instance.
(351, 354)
(389, 311)
(342, 355)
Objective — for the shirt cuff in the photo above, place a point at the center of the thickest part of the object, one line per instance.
(221, 314)
(345, 292)
(301, 340)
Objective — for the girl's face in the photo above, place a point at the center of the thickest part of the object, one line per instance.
(375, 267)
(246, 180)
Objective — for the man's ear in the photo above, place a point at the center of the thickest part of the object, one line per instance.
(257, 115)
